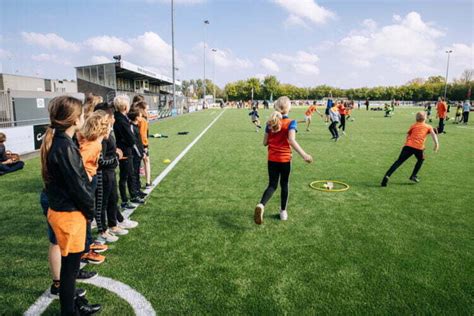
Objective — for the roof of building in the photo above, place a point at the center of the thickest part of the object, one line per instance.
(125, 69)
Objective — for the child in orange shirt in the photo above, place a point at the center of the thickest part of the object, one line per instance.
(143, 107)
(308, 115)
(279, 137)
(95, 129)
(414, 145)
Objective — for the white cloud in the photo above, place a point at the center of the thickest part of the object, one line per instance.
(462, 55)
(305, 10)
(5, 53)
(152, 50)
(409, 45)
(50, 41)
(294, 20)
(109, 44)
(306, 69)
(100, 60)
(52, 58)
(270, 65)
(302, 62)
(223, 57)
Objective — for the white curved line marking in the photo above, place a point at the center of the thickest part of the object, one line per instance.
(40, 305)
(138, 302)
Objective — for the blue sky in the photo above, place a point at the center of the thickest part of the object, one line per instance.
(305, 42)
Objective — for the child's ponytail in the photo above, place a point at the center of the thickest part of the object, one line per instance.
(63, 113)
(44, 150)
(275, 122)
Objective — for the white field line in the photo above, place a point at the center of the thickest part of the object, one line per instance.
(139, 303)
(170, 167)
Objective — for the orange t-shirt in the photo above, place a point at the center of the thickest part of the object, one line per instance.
(417, 135)
(279, 149)
(342, 109)
(442, 109)
(143, 128)
(310, 110)
(90, 152)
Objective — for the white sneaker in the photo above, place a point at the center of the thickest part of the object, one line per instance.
(117, 230)
(283, 215)
(107, 237)
(128, 223)
(258, 214)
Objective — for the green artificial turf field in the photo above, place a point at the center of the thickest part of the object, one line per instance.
(404, 249)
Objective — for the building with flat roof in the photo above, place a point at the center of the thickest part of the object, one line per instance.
(122, 77)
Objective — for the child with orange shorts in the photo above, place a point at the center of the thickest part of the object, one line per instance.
(70, 198)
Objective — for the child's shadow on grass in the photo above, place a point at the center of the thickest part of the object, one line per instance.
(234, 223)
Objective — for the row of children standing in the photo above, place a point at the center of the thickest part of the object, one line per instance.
(81, 149)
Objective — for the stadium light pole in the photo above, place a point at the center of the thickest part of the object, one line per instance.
(447, 70)
(206, 22)
(172, 54)
(214, 72)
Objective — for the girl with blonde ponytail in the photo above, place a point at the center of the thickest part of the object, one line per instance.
(71, 203)
(280, 137)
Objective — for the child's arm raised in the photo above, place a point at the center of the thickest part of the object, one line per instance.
(297, 147)
(435, 140)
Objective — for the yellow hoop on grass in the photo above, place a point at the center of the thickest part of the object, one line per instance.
(345, 186)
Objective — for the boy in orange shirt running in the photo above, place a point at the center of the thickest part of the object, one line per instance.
(414, 145)
(308, 115)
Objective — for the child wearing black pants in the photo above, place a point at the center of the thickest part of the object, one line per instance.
(414, 145)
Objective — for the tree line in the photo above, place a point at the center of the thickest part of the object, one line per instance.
(418, 89)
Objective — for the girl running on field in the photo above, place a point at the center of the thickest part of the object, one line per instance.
(280, 137)
(335, 118)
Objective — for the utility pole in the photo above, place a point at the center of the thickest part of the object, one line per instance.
(447, 70)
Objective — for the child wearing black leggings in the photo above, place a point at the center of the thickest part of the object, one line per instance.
(279, 137)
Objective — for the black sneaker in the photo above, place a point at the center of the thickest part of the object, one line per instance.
(84, 308)
(86, 275)
(414, 179)
(127, 206)
(54, 291)
(137, 200)
(142, 194)
(384, 181)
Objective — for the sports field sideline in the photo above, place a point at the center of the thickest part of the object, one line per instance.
(404, 249)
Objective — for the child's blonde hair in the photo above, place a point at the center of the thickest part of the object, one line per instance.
(420, 116)
(121, 102)
(96, 125)
(282, 106)
(91, 101)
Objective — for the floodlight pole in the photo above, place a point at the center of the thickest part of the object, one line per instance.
(447, 70)
(206, 22)
(172, 53)
(214, 72)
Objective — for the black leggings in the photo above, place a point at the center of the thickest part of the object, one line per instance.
(333, 130)
(406, 153)
(441, 125)
(127, 177)
(343, 122)
(69, 270)
(277, 171)
(465, 117)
